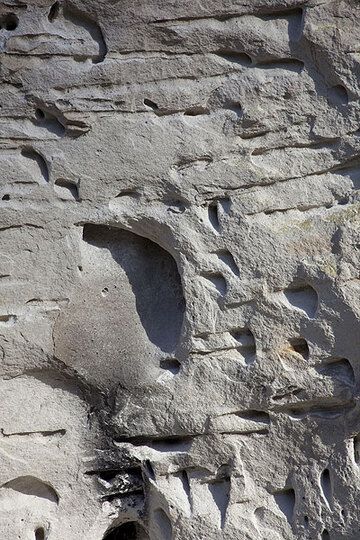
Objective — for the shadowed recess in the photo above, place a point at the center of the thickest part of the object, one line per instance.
(154, 279)
(356, 446)
(50, 122)
(66, 189)
(30, 153)
(285, 500)
(300, 346)
(40, 533)
(326, 488)
(29, 485)
(340, 370)
(162, 525)
(82, 20)
(127, 531)
(304, 298)
(220, 491)
(338, 95)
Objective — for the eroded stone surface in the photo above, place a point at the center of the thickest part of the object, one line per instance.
(179, 270)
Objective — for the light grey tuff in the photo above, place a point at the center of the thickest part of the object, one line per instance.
(179, 270)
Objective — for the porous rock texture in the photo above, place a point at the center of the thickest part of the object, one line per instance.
(179, 270)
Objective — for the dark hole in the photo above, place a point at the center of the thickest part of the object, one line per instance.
(71, 188)
(170, 364)
(126, 531)
(40, 534)
(39, 114)
(6, 197)
(54, 11)
(300, 346)
(151, 104)
(338, 95)
(214, 215)
(109, 474)
(10, 21)
(149, 469)
(196, 111)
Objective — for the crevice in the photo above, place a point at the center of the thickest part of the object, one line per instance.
(288, 64)
(254, 135)
(356, 449)
(326, 411)
(241, 423)
(151, 104)
(237, 57)
(213, 216)
(196, 111)
(221, 18)
(51, 433)
(326, 487)
(254, 416)
(128, 193)
(161, 443)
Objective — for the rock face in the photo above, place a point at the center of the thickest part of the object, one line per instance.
(179, 270)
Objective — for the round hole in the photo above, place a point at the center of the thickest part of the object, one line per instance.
(6, 197)
(10, 21)
(105, 291)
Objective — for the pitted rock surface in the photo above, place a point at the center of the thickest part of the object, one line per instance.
(179, 270)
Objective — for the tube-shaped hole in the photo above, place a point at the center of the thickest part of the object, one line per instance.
(40, 533)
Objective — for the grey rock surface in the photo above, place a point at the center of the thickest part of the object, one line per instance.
(179, 270)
